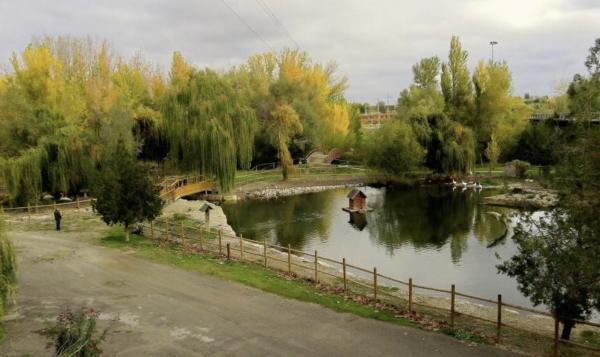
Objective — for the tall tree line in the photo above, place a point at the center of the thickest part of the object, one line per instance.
(66, 102)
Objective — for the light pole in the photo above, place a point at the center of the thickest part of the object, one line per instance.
(493, 43)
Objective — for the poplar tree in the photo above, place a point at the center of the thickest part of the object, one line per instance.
(456, 83)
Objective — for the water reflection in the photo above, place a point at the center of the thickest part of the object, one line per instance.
(358, 220)
(426, 218)
(429, 218)
(435, 235)
(290, 220)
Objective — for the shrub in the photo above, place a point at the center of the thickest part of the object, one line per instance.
(74, 334)
(521, 168)
(8, 269)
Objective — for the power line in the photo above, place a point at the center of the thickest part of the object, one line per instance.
(265, 7)
(247, 25)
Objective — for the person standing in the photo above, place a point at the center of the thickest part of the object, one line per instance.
(57, 218)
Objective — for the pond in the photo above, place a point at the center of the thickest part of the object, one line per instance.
(436, 235)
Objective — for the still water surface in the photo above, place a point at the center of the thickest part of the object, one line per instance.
(435, 235)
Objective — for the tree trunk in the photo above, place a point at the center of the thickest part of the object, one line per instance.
(567, 327)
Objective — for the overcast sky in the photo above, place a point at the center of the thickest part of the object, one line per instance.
(374, 43)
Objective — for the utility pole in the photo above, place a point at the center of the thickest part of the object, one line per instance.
(492, 44)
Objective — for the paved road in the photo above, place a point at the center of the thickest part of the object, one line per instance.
(165, 311)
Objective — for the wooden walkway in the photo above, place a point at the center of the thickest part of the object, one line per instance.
(174, 188)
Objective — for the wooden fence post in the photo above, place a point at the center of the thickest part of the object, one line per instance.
(556, 327)
(228, 251)
(77, 202)
(152, 229)
(499, 326)
(375, 284)
(289, 259)
(200, 238)
(410, 295)
(220, 243)
(316, 267)
(452, 297)
(241, 247)
(167, 228)
(28, 212)
(265, 251)
(344, 274)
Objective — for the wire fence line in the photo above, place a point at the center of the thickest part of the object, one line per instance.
(354, 279)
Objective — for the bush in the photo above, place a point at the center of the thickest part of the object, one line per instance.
(394, 149)
(74, 334)
(521, 168)
(8, 269)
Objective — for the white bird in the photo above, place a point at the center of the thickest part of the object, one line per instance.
(463, 184)
(454, 183)
(478, 186)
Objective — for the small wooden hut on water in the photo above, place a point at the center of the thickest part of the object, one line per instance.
(357, 202)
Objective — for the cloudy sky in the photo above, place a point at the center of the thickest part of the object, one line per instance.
(374, 42)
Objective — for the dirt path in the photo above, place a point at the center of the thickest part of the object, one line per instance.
(165, 311)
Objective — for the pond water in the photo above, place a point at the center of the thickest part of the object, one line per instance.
(436, 235)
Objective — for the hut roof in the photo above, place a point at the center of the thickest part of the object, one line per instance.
(356, 192)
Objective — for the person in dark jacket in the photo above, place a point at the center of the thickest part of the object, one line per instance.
(57, 218)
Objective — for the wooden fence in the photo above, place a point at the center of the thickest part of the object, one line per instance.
(354, 279)
(32, 209)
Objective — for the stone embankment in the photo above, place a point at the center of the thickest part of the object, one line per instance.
(274, 192)
(191, 209)
(524, 198)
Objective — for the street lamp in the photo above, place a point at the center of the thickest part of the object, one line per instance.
(493, 43)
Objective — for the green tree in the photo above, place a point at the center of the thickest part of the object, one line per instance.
(426, 72)
(557, 260)
(493, 152)
(210, 128)
(394, 149)
(584, 91)
(496, 110)
(124, 192)
(283, 124)
(450, 147)
(539, 144)
(456, 83)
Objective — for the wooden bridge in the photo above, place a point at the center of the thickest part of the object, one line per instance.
(174, 188)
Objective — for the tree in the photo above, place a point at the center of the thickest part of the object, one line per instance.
(493, 152)
(282, 126)
(456, 83)
(496, 111)
(584, 91)
(124, 192)
(426, 72)
(210, 128)
(539, 144)
(394, 149)
(557, 260)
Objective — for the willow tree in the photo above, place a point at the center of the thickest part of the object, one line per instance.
(282, 125)
(209, 127)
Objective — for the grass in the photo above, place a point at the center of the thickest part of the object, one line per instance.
(248, 274)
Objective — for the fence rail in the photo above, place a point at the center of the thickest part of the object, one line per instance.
(77, 203)
(366, 282)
